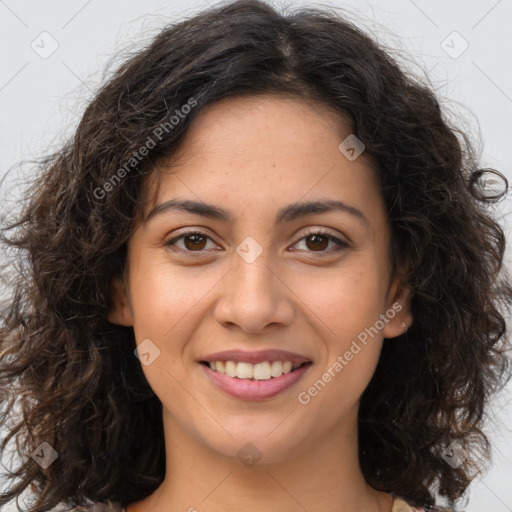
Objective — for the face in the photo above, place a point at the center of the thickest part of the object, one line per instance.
(257, 274)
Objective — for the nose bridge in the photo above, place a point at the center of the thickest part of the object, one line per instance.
(253, 275)
(252, 296)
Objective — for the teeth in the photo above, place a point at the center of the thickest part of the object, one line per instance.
(230, 368)
(259, 371)
(262, 371)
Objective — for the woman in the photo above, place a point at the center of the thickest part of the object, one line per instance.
(261, 276)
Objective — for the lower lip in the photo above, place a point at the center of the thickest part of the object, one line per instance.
(247, 389)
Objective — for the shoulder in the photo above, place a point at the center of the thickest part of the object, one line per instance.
(90, 506)
(401, 505)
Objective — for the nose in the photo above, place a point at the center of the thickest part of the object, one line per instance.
(254, 296)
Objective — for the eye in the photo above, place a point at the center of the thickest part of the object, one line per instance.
(318, 240)
(315, 241)
(193, 240)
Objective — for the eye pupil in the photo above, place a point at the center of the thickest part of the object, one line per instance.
(316, 244)
(194, 237)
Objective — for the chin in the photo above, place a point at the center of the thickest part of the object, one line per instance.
(257, 446)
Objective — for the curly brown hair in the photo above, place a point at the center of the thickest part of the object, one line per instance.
(73, 374)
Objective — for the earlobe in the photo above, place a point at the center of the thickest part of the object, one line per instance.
(120, 313)
(399, 310)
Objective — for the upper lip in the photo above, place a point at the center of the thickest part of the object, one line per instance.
(256, 357)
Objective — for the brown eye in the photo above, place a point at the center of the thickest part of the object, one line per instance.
(318, 242)
(193, 241)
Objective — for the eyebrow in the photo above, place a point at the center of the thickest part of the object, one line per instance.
(286, 214)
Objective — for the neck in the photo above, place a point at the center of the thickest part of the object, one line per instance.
(325, 476)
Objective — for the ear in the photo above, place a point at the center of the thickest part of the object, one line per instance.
(121, 313)
(398, 310)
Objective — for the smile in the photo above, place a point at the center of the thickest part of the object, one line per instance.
(260, 371)
(258, 381)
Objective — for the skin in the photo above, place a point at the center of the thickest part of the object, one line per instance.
(252, 156)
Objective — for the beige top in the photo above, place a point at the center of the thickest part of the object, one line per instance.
(399, 505)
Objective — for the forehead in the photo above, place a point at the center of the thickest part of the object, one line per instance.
(263, 150)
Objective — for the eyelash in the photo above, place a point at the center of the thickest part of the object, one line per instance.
(320, 232)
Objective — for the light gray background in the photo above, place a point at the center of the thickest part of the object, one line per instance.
(42, 98)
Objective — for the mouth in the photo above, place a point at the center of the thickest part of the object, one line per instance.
(263, 378)
(262, 371)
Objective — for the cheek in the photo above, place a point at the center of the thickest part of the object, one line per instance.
(352, 356)
(347, 310)
(345, 302)
(167, 301)
(168, 307)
